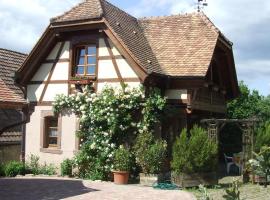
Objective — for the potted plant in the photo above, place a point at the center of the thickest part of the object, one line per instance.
(150, 156)
(194, 159)
(122, 162)
(261, 165)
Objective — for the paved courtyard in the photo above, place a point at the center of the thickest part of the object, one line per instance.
(39, 188)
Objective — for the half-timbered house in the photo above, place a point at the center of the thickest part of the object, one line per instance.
(185, 56)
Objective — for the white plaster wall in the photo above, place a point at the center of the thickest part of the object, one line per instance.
(114, 49)
(43, 72)
(60, 71)
(65, 52)
(116, 85)
(68, 137)
(53, 53)
(176, 94)
(34, 92)
(106, 69)
(125, 70)
(53, 90)
(103, 51)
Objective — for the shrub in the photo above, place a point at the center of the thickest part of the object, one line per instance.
(14, 168)
(150, 153)
(122, 159)
(2, 170)
(194, 154)
(66, 167)
(263, 137)
(33, 166)
(47, 169)
(233, 192)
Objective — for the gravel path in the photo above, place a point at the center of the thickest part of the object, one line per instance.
(44, 188)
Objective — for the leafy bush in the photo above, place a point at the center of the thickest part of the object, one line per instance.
(122, 159)
(194, 154)
(233, 192)
(66, 167)
(2, 170)
(32, 166)
(261, 163)
(14, 168)
(150, 153)
(47, 169)
(263, 137)
(204, 193)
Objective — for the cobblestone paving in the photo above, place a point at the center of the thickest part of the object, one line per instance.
(45, 188)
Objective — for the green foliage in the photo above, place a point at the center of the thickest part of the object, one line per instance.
(47, 169)
(204, 193)
(108, 119)
(66, 167)
(122, 159)
(233, 192)
(2, 169)
(246, 105)
(194, 154)
(261, 163)
(33, 165)
(14, 168)
(150, 153)
(262, 137)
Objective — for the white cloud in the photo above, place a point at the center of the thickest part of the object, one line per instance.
(22, 22)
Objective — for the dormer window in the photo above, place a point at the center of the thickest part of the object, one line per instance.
(86, 60)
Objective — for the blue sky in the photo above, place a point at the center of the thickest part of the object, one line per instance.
(244, 22)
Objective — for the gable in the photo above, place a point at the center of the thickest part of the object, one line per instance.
(55, 73)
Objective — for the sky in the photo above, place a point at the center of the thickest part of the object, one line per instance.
(245, 22)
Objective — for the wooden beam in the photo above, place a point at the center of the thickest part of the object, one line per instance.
(139, 70)
(113, 60)
(51, 71)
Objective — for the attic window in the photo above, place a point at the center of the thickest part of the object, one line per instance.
(86, 60)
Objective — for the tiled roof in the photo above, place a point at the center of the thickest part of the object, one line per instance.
(10, 62)
(179, 45)
(11, 137)
(183, 44)
(7, 118)
(89, 9)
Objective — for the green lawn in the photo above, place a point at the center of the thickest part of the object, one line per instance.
(247, 191)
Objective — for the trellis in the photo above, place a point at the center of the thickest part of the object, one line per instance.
(214, 127)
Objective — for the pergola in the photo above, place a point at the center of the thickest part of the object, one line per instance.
(214, 127)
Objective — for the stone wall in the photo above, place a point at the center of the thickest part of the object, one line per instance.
(9, 152)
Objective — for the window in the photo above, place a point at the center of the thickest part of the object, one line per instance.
(51, 132)
(85, 60)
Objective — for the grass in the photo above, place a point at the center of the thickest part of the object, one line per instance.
(247, 191)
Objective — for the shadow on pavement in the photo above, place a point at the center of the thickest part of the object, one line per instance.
(41, 189)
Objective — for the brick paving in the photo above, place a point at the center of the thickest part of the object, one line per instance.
(45, 188)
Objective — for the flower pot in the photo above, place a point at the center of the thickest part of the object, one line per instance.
(120, 177)
(81, 82)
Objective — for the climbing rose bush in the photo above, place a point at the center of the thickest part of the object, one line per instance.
(109, 119)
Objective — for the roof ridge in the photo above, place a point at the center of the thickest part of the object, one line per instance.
(12, 51)
(166, 16)
(53, 19)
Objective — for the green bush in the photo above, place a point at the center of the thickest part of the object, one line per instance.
(2, 170)
(122, 159)
(47, 169)
(66, 167)
(14, 168)
(150, 153)
(194, 154)
(263, 137)
(32, 166)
